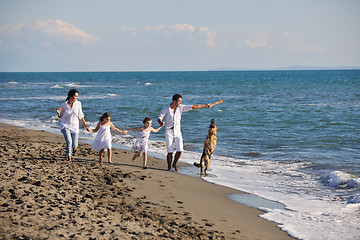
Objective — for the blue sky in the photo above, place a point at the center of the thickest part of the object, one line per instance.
(141, 35)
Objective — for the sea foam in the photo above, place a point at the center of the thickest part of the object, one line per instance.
(342, 180)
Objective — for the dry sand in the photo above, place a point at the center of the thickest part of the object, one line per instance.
(42, 196)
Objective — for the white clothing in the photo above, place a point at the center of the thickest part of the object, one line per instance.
(102, 139)
(70, 116)
(173, 127)
(171, 139)
(141, 144)
(173, 119)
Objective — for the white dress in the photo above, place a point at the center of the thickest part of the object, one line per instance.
(141, 144)
(102, 139)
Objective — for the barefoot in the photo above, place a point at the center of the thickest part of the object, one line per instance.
(69, 158)
(174, 166)
(110, 162)
(145, 167)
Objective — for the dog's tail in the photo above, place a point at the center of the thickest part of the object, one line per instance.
(201, 160)
(197, 164)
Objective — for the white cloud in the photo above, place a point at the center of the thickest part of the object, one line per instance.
(133, 31)
(306, 49)
(157, 28)
(286, 33)
(258, 40)
(210, 36)
(181, 30)
(296, 44)
(64, 30)
(11, 28)
(183, 27)
(46, 29)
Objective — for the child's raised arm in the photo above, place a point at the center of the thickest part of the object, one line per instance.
(155, 130)
(95, 129)
(116, 129)
(134, 129)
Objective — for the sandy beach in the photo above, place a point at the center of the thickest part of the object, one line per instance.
(42, 196)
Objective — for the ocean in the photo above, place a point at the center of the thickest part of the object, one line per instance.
(291, 139)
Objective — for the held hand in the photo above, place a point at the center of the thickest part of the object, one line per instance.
(124, 132)
(88, 129)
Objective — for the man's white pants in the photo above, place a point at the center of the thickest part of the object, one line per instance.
(173, 139)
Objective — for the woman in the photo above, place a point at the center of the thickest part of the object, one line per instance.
(69, 114)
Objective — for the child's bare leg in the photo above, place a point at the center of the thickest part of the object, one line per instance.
(145, 160)
(109, 156)
(101, 156)
(135, 156)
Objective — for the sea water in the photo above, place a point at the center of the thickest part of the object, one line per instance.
(287, 137)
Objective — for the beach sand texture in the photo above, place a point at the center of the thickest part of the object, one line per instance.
(42, 196)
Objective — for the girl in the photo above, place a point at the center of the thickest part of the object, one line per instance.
(70, 113)
(141, 145)
(103, 138)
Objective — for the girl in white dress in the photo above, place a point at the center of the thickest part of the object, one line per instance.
(102, 141)
(141, 145)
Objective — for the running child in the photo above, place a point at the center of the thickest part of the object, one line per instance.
(141, 145)
(102, 141)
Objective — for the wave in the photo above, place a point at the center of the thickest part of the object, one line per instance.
(57, 86)
(33, 98)
(341, 179)
(58, 97)
(354, 200)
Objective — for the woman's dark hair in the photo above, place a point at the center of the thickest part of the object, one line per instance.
(105, 115)
(71, 93)
(176, 97)
(146, 120)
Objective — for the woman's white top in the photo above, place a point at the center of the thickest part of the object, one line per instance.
(70, 116)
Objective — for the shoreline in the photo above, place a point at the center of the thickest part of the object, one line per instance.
(44, 196)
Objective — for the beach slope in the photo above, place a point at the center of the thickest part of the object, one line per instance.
(42, 196)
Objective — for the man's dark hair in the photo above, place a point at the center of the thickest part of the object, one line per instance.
(176, 97)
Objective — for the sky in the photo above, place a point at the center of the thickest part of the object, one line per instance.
(170, 35)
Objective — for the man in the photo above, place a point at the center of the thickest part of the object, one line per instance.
(173, 134)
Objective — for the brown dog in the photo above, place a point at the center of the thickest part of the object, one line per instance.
(209, 147)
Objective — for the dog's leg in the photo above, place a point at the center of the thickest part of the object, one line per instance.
(207, 164)
(202, 162)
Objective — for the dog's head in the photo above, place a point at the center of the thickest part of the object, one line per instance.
(213, 128)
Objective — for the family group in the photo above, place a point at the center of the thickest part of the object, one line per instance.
(70, 113)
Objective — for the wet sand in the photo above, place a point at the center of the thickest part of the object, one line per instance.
(43, 196)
